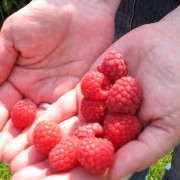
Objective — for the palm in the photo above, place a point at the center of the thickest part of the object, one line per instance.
(49, 47)
(150, 61)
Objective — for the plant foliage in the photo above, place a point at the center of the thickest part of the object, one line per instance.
(5, 173)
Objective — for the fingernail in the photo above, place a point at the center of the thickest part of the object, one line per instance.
(44, 105)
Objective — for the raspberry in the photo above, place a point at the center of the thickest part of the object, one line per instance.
(124, 96)
(113, 66)
(46, 135)
(63, 156)
(89, 130)
(121, 128)
(95, 85)
(93, 110)
(23, 114)
(96, 155)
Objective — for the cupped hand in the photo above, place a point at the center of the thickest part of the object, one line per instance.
(45, 48)
(153, 54)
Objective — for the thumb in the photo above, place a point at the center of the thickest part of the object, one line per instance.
(151, 145)
(8, 53)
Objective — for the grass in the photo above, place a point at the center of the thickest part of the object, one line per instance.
(156, 171)
(5, 173)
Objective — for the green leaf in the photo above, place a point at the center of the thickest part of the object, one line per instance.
(5, 173)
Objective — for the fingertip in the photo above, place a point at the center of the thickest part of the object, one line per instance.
(69, 125)
(64, 108)
(44, 106)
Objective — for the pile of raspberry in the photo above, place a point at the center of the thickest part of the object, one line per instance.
(112, 98)
(110, 104)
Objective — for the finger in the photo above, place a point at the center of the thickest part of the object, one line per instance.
(36, 171)
(31, 155)
(8, 53)
(14, 147)
(65, 107)
(44, 171)
(8, 97)
(69, 125)
(75, 174)
(26, 158)
(8, 133)
(139, 154)
(16, 142)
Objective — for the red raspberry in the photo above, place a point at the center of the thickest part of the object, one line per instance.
(96, 155)
(95, 85)
(121, 128)
(89, 130)
(46, 135)
(113, 66)
(93, 110)
(23, 114)
(124, 96)
(63, 156)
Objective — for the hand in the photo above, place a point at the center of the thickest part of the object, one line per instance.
(152, 52)
(45, 48)
(32, 160)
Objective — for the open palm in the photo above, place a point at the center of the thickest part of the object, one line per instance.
(46, 47)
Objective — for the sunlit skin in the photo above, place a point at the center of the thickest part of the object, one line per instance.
(45, 49)
(152, 53)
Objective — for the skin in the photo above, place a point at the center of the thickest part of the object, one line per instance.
(42, 49)
(152, 53)
(43, 46)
